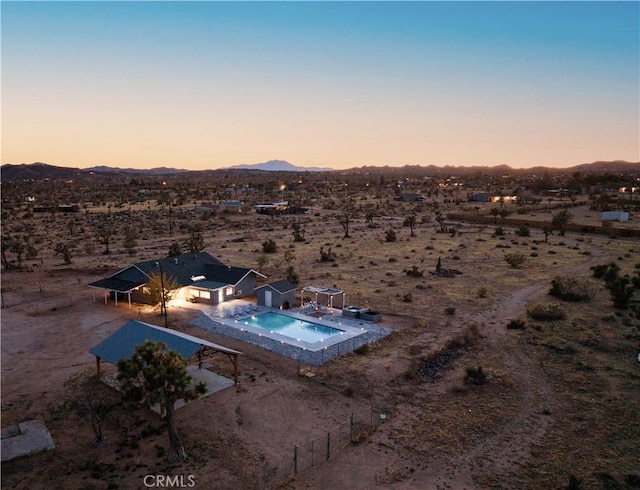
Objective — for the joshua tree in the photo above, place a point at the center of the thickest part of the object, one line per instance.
(195, 242)
(410, 221)
(155, 375)
(105, 231)
(547, 230)
(298, 232)
(495, 212)
(440, 218)
(369, 215)
(64, 249)
(347, 214)
(4, 248)
(92, 400)
(560, 220)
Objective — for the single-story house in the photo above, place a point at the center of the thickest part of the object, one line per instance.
(208, 208)
(409, 197)
(276, 294)
(621, 216)
(272, 208)
(480, 197)
(200, 277)
(231, 206)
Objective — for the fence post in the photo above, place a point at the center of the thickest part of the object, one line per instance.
(351, 430)
(295, 460)
(328, 445)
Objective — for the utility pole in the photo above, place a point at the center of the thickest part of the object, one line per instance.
(164, 299)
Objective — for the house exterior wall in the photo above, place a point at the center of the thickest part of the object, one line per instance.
(246, 286)
(198, 295)
(277, 298)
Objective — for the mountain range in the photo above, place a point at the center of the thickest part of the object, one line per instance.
(43, 171)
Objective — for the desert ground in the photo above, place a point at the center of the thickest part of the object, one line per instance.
(560, 405)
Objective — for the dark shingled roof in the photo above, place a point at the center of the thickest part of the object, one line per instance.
(115, 284)
(182, 267)
(282, 286)
(122, 343)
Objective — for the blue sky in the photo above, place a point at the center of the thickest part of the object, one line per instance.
(342, 84)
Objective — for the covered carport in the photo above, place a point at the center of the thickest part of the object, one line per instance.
(123, 342)
(115, 286)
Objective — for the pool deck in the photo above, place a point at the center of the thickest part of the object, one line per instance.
(228, 319)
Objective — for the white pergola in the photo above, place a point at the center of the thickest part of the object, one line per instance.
(317, 291)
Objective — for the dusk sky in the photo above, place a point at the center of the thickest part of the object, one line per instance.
(335, 84)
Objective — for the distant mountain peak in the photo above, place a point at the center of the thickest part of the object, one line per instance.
(279, 166)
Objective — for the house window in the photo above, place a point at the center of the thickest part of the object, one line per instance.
(229, 291)
(205, 294)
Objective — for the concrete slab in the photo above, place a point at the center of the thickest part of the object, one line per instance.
(214, 382)
(31, 437)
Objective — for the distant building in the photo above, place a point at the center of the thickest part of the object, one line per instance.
(621, 216)
(272, 207)
(480, 197)
(233, 206)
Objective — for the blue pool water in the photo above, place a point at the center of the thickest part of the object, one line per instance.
(291, 327)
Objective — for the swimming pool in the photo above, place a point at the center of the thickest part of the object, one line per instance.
(291, 327)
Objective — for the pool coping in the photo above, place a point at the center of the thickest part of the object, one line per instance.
(357, 333)
(347, 331)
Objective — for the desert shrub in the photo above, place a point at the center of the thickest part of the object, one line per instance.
(475, 376)
(363, 350)
(523, 231)
(450, 310)
(482, 292)
(269, 247)
(632, 480)
(621, 292)
(574, 483)
(547, 313)
(571, 289)
(499, 231)
(415, 349)
(390, 236)
(415, 272)
(608, 272)
(407, 297)
(516, 324)
(411, 375)
(515, 259)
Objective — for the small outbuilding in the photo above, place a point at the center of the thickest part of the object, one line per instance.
(276, 294)
(621, 216)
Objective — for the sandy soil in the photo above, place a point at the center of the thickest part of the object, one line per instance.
(432, 436)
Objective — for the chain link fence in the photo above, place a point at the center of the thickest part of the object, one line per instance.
(323, 448)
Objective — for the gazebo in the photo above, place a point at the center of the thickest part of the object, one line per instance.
(122, 343)
(323, 296)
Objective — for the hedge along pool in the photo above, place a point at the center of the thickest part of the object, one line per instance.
(294, 335)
